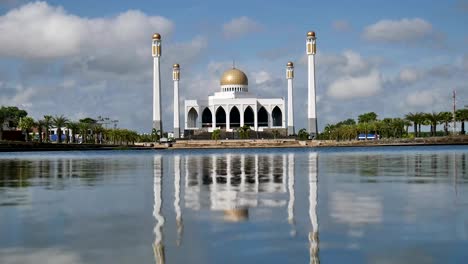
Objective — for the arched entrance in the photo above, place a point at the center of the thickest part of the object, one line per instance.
(192, 118)
(234, 117)
(262, 117)
(249, 117)
(277, 117)
(221, 118)
(207, 118)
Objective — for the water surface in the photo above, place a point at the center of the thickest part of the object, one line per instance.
(335, 205)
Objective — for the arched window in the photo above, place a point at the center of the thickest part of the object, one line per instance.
(234, 117)
(277, 117)
(262, 117)
(221, 117)
(192, 118)
(207, 118)
(249, 118)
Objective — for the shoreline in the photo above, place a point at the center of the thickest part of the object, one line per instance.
(235, 144)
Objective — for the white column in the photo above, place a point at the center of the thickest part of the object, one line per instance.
(242, 115)
(156, 51)
(176, 78)
(228, 118)
(289, 77)
(213, 118)
(256, 118)
(311, 50)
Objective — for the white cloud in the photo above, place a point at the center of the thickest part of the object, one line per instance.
(239, 27)
(104, 63)
(341, 25)
(409, 75)
(356, 87)
(420, 99)
(50, 32)
(398, 31)
(262, 77)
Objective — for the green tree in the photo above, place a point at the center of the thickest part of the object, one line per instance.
(25, 124)
(59, 122)
(433, 119)
(462, 116)
(40, 124)
(244, 132)
(216, 134)
(155, 134)
(47, 124)
(73, 129)
(11, 114)
(445, 118)
(367, 117)
(302, 134)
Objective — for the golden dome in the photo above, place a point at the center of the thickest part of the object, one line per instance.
(311, 34)
(156, 36)
(290, 64)
(234, 77)
(176, 65)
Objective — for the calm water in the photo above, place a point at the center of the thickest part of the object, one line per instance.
(353, 205)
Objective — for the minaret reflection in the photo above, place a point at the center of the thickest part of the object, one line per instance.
(178, 213)
(291, 194)
(158, 246)
(314, 234)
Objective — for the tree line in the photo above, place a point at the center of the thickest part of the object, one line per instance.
(86, 130)
(367, 123)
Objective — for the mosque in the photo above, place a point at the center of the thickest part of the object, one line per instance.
(234, 106)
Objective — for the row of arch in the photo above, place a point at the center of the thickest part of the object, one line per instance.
(234, 117)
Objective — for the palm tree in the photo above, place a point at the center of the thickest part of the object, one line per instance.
(413, 118)
(59, 122)
(40, 124)
(433, 119)
(73, 129)
(462, 116)
(445, 118)
(47, 124)
(26, 123)
(98, 131)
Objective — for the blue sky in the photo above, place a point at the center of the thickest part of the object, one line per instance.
(88, 58)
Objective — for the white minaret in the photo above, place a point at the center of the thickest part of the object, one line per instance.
(156, 51)
(290, 77)
(176, 78)
(312, 111)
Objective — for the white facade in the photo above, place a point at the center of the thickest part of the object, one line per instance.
(234, 106)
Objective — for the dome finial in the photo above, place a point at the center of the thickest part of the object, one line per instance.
(233, 63)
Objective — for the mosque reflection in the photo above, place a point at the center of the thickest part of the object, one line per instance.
(232, 184)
